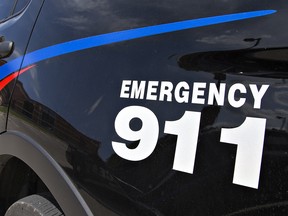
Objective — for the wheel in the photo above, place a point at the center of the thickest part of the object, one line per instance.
(35, 205)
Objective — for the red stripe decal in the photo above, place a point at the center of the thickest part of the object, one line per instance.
(12, 76)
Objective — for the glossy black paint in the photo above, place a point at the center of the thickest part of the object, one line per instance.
(68, 104)
(17, 29)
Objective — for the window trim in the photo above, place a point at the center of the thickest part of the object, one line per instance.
(12, 14)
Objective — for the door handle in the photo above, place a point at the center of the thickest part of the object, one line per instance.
(6, 48)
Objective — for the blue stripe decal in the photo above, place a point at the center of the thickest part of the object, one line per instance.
(104, 39)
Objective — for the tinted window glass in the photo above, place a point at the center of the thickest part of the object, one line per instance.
(6, 7)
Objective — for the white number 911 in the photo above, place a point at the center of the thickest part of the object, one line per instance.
(249, 138)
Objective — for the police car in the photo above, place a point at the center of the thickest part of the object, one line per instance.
(143, 107)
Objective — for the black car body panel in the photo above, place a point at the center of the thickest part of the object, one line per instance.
(16, 28)
(78, 80)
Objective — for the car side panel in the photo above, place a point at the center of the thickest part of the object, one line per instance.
(76, 90)
(16, 29)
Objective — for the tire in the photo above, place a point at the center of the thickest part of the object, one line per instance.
(34, 205)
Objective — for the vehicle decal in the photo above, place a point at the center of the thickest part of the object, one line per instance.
(184, 92)
(249, 147)
(4, 82)
(114, 37)
(248, 137)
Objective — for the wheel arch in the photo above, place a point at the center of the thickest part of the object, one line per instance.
(19, 145)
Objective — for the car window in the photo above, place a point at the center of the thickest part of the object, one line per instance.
(6, 8)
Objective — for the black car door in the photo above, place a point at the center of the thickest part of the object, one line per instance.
(17, 18)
